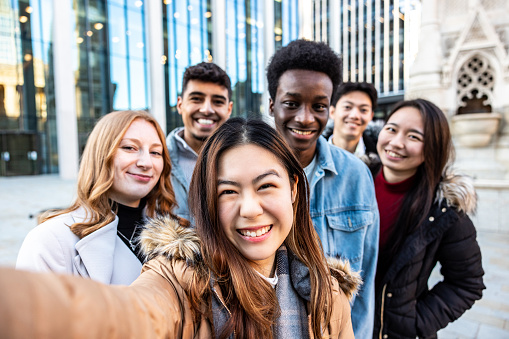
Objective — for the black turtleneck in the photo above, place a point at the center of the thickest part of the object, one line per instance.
(130, 224)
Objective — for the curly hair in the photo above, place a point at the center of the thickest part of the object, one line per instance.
(207, 72)
(306, 55)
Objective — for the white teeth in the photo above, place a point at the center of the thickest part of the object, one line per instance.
(258, 233)
(301, 132)
(394, 155)
(205, 121)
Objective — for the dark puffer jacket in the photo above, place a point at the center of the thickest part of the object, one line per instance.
(405, 307)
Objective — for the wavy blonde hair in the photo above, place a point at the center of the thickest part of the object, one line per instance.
(96, 174)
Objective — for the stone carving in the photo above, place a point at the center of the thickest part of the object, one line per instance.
(475, 80)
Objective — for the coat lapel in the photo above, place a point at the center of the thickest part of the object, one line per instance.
(96, 251)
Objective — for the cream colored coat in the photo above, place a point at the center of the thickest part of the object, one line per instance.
(154, 306)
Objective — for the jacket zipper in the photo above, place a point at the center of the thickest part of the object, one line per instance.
(224, 305)
(382, 312)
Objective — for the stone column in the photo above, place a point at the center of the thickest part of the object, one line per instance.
(219, 33)
(65, 92)
(154, 34)
(425, 74)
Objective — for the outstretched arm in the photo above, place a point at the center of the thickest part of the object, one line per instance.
(42, 305)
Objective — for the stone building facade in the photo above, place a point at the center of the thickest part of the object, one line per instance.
(463, 66)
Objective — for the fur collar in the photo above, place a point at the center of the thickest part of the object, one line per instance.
(165, 237)
(457, 190)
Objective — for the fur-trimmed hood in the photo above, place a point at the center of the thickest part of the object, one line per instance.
(165, 237)
(458, 191)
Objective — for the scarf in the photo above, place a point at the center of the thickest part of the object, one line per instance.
(292, 291)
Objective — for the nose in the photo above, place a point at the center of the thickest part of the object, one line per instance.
(397, 141)
(305, 116)
(144, 159)
(354, 113)
(206, 107)
(250, 206)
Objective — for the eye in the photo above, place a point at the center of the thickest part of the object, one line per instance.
(265, 186)
(226, 192)
(195, 99)
(157, 153)
(128, 148)
(219, 102)
(291, 104)
(390, 129)
(415, 137)
(320, 107)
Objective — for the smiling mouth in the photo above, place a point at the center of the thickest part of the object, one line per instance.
(254, 234)
(394, 155)
(301, 132)
(205, 122)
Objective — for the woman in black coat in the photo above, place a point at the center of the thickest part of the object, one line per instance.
(423, 220)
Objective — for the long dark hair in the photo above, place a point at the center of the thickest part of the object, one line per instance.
(438, 153)
(250, 299)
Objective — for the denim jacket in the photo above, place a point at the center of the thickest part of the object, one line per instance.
(345, 215)
(178, 178)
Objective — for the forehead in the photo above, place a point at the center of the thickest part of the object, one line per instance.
(356, 97)
(302, 82)
(205, 87)
(248, 160)
(407, 117)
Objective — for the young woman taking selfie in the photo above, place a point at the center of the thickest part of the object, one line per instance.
(252, 268)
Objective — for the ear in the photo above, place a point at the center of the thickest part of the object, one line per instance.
(294, 188)
(271, 107)
(332, 110)
(179, 104)
(230, 107)
(372, 115)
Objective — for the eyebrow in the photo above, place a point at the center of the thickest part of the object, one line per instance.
(255, 180)
(298, 95)
(159, 144)
(217, 96)
(352, 103)
(411, 130)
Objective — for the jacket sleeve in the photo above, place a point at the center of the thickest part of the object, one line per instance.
(341, 322)
(363, 308)
(460, 257)
(42, 305)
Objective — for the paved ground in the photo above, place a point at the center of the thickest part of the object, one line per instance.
(22, 197)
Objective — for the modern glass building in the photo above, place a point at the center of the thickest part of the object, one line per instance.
(377, 39)
(65, 63)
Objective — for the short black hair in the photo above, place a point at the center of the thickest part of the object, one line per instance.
(348, 87)
(207, 72)
(305, 55)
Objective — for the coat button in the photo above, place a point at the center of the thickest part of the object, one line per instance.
(444, 209)
(431, 218)
(389, 295)
(385, 336)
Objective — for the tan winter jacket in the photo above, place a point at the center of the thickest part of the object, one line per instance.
(155, 306)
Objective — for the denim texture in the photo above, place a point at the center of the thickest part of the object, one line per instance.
(345, 215)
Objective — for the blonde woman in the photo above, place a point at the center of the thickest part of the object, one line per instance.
(123, 178)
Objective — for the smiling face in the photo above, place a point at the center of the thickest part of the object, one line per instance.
(351, 115)
(204, 106)
(137, 164)
(401, 144)
(255, 198)
(301, 109)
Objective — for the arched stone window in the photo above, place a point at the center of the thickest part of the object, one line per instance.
(475, 86)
